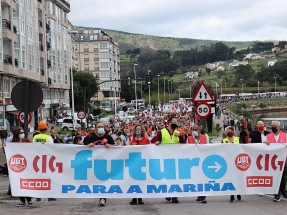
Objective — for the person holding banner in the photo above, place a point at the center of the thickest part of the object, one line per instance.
(259, 136)
(99, 137)
(169, 135)
(138, 137)
(278, 136)
(231, 139)
(198, 138)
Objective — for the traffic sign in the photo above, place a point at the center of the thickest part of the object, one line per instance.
(81, 114)
(203, 110)
(202, 94)
(20, 117)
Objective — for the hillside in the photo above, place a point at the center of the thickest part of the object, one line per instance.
(153, 43)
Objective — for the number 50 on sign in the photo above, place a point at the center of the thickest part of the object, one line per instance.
(203, 110)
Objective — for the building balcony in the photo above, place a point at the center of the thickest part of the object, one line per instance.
(48, 28)
(7, 59)
(41, 47)
(96, 59)
(86, 59)
(96, 50)
(6, 24)
(16, 62)
(14, 29)
(49, 63)
(48, 45)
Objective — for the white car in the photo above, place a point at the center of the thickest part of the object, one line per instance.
(107, 109)
(68, 124)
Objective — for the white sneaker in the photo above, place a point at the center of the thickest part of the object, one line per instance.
(102, 203)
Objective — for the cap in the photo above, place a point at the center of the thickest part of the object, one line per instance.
(42, 125)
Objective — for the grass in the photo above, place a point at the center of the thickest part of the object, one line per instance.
(126, 58)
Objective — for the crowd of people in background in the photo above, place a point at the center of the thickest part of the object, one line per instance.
(182, 127)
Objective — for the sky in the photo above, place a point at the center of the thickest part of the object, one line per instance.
(229, 20)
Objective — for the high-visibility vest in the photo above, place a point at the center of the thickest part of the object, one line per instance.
(167, 138)
(236, 140)
(41, 138)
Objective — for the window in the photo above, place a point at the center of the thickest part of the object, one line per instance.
(6, 86)
(82, 37)
(105, 75)
(86, 67)
(97, 76)
(52, 94)
(86, 57)
(104, 46)
(96, 66)
(96, 57)
(86, 48)
(91, 37)
(104, 56)
(104, 65)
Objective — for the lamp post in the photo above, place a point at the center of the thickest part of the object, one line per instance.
(72, 78)
(258, 86)
(275, 83)
(253, 106)
(221, 88)
(141, 89)
(158, 89)
(168, 90)
(164, 90)
(241, 85)
(136, 86)
(149, 91)
(178, 90)
(216, 85)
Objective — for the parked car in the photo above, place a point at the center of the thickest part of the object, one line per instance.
(68, 124)
(107, 109)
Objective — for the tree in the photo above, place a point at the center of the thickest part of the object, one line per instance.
(85, 87)
(244, 72)
(136, 51)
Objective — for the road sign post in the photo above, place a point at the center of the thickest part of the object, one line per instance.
(202, 94)
(81, 115)
(203, 110)
(21, 118)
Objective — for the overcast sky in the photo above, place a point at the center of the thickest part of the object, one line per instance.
(235, 20)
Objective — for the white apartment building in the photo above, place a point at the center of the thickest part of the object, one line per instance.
(98, 53)
(34, 45)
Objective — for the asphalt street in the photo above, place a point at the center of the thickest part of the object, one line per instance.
(249, 205)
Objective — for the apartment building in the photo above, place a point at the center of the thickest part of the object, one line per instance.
(98, 53)
(34, 45)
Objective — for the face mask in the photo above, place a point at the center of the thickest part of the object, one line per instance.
(138, 132)
(261, 127)
(101, 130)
(128, 134)
(274, 129)
(195, 133)
(230, 134)
(22, 136)
(173, 126)
(81, 142)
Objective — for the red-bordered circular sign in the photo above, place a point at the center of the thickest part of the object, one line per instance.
(203, 110)
(20, 118)
(81, 114)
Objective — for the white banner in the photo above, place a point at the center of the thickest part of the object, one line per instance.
(70, 171)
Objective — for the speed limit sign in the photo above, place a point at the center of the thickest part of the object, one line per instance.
(21, 116)
(81, 114)
(203, 110)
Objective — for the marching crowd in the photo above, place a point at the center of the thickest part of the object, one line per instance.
(156, 128)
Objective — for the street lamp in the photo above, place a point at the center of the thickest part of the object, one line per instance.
(168, 90)
(241, 85)
(164, 90)
(253, 106)
(149, 91)
(136, 86)
(72, 78)
(275, 83)
(216, 85)
(178, 90)
(158, 89)
(258, 86)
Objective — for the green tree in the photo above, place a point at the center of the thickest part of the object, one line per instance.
(244, 72)
(85, 87)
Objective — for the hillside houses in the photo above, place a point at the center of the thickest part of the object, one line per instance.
(191, 75)
(271, 62)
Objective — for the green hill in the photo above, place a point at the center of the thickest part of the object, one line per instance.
(153, 43)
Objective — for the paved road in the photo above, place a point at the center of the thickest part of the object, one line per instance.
(255, 205)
